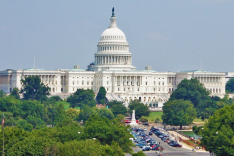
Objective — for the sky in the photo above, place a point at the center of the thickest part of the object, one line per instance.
(168, 35)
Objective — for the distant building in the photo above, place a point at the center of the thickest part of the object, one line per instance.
(112, 68)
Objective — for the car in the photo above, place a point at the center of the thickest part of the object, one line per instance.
(142, 145)
(172, 142)
(144, 129)
(150, 133)
(155, 147)
(146, 148)
(176, 145)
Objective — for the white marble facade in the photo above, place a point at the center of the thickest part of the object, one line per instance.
(112, 68)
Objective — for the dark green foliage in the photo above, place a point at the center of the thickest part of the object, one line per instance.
(2, 94)
(101, 96)
(33, 145)
(195, 92)
(140, 153)
(89, 147)
(105, 112)
(56, 98)
(60, 114)
(15, 93)
(142, 119)
(218, 132)
(230, 86)
(82, 97)
(23, 124)
(112, 103)
(106, 132)
(85, 113)
(12, 135)
(178, 113)
(197, 130)
(36, 122)
(191, 90)
(34, 89)
(140, 109)
(117, 107)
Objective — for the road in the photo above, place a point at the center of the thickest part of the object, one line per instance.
(169, 151)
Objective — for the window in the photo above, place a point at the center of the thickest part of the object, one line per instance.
(146, 83)
(87, 83)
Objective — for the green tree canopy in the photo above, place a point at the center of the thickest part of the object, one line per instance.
(85, 113)
(178, 113)
(72, 113)
(112, 103)
(15, 93)
(82, 97)
(60, 114)
(106, 113)
(218, 132)
(107, 131)
(119, 109)
(101, 96)
(191, 90)
(2, 94)
(34, 89)
(230, 86)
(140, 109)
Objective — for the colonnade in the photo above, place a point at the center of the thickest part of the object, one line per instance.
(112, 59)
(128, 80)
(113, 48)
(209, 79)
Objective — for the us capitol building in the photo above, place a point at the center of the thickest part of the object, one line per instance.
(113, 69)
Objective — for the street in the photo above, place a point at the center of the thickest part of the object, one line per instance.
(169, 151)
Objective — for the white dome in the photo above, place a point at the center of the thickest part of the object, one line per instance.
(113, 32)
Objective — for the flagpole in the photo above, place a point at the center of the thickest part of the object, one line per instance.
(3, 135)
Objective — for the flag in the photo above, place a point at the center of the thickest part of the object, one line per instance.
(3, 120)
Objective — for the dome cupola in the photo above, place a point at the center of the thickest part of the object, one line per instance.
(113, 49)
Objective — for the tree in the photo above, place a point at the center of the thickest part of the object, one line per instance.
(15, 93)
(230, 86)
(2, 94)
(140, 109)
(119, 109)
(140, 153)
(60, 114)
(178, 113)
(191, 90)
(82, 97)
(25, 125)
(218, 132)
(72, 113)
(106, 113)
(34, 89)
(142, 119)
(107, 131)
(101, 96)
(85, 113)
(112, 103)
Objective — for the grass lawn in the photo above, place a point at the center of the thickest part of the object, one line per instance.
(66, 105)
(154, 115)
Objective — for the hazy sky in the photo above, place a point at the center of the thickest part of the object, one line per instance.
(169, 35)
